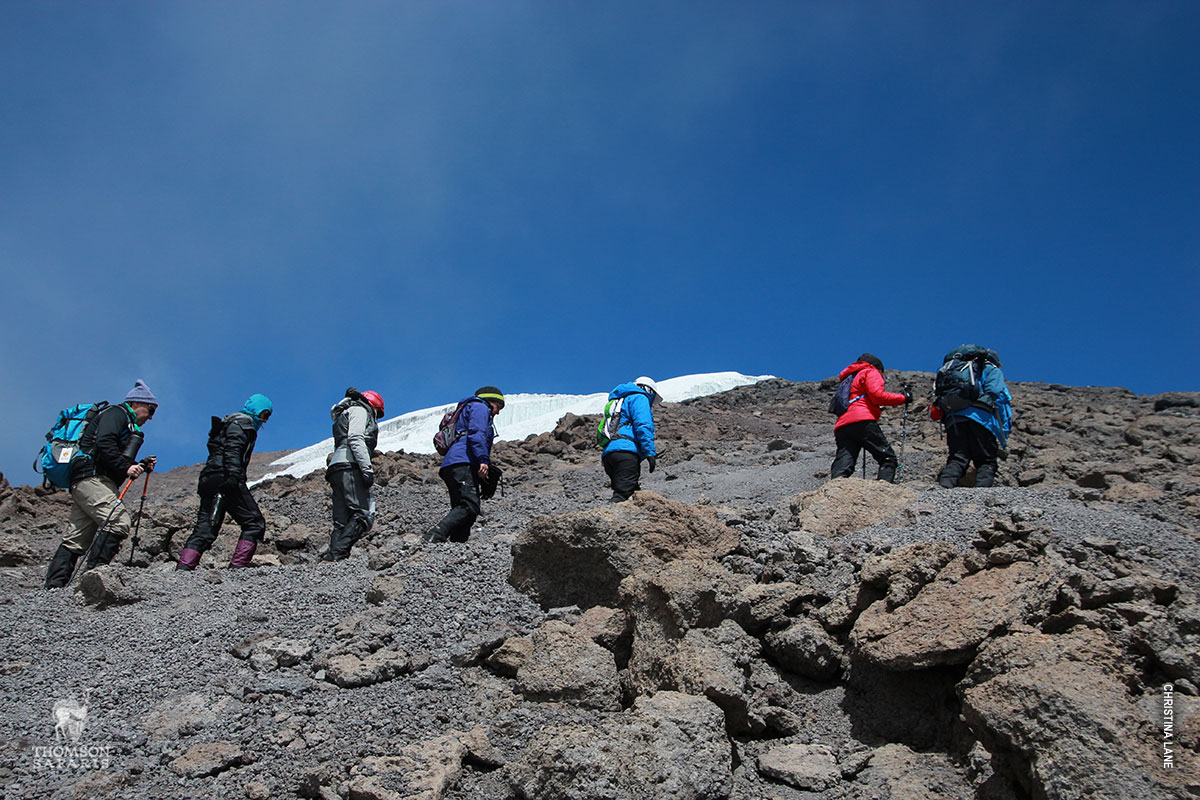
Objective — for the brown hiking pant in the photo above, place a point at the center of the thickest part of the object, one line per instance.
(95, 501)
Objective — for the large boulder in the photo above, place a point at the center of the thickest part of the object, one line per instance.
(565, 665)
(810, 767)
(420, 771)
(669, 745)
(716, 663)
(580, 558)
(950, 617)
(895, 771)
(846, 505)
(109, 586)
(1059, 706)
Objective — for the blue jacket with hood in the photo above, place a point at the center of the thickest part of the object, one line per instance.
(474, 445)
(998, 424)
(637, 423)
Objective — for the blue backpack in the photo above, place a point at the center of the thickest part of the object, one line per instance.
(62, 444)
(840, 402)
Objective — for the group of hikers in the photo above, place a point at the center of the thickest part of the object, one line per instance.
(971, 400)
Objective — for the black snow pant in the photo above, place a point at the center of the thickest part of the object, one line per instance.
(624, 471)
(969, 442)
(462, 482)
(851, 439)
(351, 510)
(237, 503)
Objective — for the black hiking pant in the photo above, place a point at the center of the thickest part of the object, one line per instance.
(969, 442)
(624, 471)
(351, 509)
(851, 439)
(462, 483)
(237, 503)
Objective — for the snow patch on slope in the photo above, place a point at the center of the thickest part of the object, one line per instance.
(523, 415)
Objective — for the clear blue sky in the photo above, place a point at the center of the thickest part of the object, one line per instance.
(234, 197)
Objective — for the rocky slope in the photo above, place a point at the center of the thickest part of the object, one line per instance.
(744, 628)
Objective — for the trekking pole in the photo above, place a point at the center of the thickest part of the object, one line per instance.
(138, 524)
(903, 434)
(100, 531)
(864, 462)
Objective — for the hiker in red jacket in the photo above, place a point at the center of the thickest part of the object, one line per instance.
(858, 426)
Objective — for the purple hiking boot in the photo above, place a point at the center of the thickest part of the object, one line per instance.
(188, 559)
(243, 553)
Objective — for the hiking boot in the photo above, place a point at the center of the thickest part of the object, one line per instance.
(103, 551)
(62, 567)
(188, 559)
(243, 553)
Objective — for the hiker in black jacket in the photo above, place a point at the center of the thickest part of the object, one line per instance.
(107, 456)
(222, 485)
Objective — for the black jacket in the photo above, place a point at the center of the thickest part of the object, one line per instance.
(102, 445)
(230, 445)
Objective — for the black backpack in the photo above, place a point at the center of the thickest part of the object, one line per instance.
(840, 402)
(959, 382)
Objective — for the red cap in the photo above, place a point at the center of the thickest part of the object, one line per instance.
(375, 400)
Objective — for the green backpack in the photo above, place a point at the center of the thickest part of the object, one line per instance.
(609, 426)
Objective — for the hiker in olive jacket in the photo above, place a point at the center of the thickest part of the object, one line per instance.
(351, 473)
(222, 486)
(107, 457)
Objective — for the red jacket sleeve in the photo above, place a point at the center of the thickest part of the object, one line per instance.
(877, 394)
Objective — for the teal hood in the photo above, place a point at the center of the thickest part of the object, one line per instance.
(257, 404)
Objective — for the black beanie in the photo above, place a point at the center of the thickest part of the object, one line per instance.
(873, 360)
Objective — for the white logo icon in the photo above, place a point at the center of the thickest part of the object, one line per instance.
(69, 718)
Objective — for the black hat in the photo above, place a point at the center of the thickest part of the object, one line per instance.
(490, 393)
(873, 360)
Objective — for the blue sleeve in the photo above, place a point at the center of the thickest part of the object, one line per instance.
(643, 424)
(995, 387)
(478, 429)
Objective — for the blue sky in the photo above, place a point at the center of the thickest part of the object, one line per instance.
(234, 197)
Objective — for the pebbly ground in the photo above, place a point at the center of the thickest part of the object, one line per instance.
(161, 674)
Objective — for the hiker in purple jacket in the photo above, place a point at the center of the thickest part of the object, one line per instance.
(466, 465)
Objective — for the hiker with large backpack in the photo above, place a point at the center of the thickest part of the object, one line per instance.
(859, 402)
(351, 473)
(627, 435)
(972, 400)
(466, 445)
(222, 485)
(104, 456)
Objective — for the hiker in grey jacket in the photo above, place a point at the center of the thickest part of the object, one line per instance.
(350, 472)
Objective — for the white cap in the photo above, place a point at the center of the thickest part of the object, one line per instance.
(648, 383)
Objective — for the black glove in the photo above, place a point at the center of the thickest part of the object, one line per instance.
(369, 478)
(908, 398)
(353, 393)
(650, 461)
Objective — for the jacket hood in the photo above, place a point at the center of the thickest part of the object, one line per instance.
(626, 389)
(855, 367)
(341, 405)
(255, 405)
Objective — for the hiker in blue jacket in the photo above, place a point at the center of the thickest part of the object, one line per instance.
(979, 432)
(622, 458)
(466, 466)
